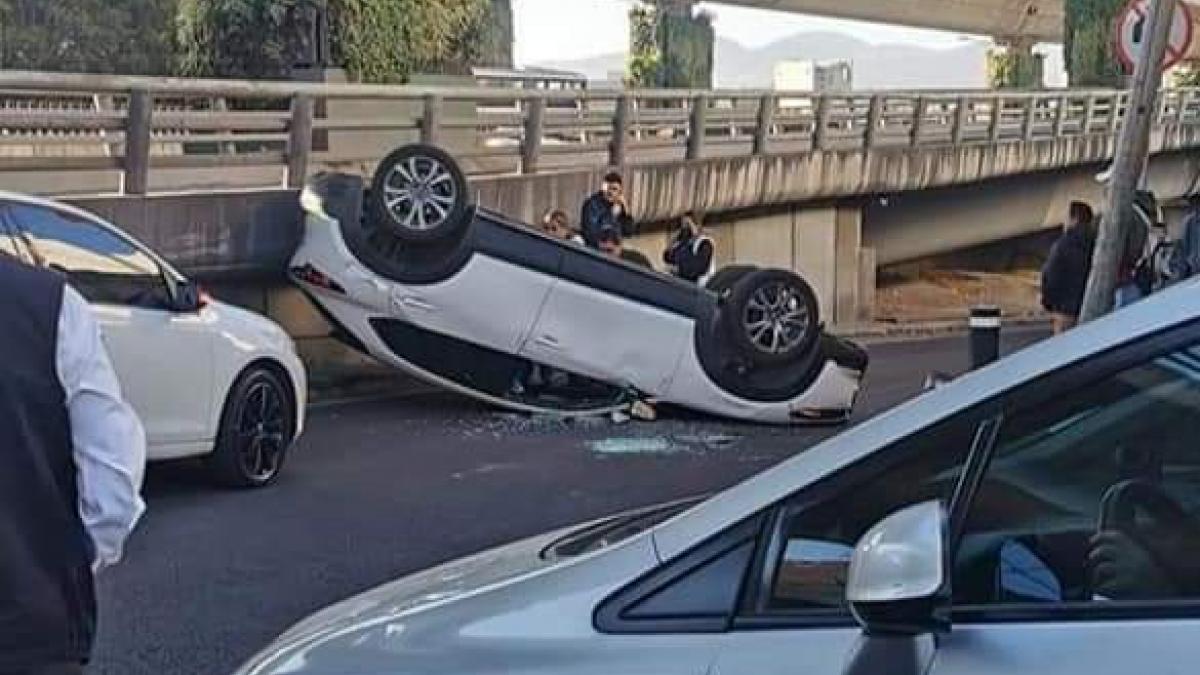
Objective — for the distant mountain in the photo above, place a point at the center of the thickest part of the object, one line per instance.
(876, 66)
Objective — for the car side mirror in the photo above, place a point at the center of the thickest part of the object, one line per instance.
(188, 297)
(897, 584)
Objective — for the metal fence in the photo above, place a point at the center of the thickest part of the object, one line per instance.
(134, 126)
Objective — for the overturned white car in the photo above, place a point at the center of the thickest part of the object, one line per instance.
(410, 272)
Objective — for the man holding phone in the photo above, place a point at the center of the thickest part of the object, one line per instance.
(689, 256)
(606, 210)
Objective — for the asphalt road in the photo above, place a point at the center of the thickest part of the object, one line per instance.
(380, 489)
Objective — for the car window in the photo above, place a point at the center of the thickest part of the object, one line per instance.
(102, 266)
(695, 592)
(1093, 496)
(810, 552)
(8, 247)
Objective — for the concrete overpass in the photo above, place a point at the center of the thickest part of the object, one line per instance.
(208, 171)
(1005, 20)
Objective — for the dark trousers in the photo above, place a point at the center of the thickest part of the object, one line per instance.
(55, 669)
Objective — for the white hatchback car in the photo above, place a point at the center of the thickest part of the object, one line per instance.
(1041, 515)
(206, 379)
(415, 276)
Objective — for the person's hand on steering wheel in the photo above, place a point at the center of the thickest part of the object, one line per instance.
(1153, 556)
(1122, 569)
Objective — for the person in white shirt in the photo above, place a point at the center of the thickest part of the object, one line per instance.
(72, 456)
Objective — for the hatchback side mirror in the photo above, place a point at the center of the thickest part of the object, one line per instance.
(188, 297)
(897, 583)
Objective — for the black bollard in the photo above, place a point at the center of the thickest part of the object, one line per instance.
(985, 335)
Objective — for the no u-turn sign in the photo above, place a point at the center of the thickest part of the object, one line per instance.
(1133, 30)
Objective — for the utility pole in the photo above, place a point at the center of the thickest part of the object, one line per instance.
(1133, 147)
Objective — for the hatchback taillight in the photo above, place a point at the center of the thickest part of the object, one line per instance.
(314, 277)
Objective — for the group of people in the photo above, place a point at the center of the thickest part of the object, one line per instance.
(605, 221)
(1152, 260)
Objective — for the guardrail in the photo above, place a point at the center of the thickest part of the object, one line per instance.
(76, 123)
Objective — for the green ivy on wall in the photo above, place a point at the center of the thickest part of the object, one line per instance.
(374, 40)
(97, 36)
(669, 49)
(1088, 44)
(1010, 68)
(1187, 74)
(389, 40)
(645, 59)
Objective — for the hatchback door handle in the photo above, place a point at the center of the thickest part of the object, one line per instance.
(416, 303)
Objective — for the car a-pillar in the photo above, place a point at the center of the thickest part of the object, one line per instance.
(821, 243)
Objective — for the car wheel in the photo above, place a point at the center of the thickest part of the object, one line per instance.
(771, 317)
(420, 194)
(726, 277)
(256, 431)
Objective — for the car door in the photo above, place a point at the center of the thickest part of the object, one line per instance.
(792, 618)
(164, 359)
(495, 298)
(1080, 552)
(612, 321)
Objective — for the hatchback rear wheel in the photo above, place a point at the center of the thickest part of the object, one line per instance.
(771, 317)
(420, 194)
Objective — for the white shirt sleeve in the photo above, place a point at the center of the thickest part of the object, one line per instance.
(108, 439)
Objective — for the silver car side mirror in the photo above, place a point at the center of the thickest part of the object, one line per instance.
(897, 583)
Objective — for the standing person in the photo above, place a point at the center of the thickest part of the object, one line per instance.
(689, 256)
(72, 454)
(1065, 275)
(1134, 278)
(606, 209)
(1185, 257)
(610, 243)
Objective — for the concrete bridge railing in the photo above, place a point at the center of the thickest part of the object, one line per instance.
(153, 135)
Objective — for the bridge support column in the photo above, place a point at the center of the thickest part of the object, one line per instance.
(823, 245)
(827, 251)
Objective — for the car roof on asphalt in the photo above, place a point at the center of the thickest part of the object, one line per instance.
(1174, 306)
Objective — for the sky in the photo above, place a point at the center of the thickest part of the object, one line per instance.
(564, 30)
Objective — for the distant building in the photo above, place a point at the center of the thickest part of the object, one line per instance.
(529, 78)
(814, 76)
(834, 76)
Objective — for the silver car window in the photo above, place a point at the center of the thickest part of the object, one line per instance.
(1093, 497)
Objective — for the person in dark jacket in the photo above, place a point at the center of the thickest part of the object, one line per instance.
(611, 243)
(72, 453)
(607, 209)
(1185, 257)
(689, 256)
(1065, 275)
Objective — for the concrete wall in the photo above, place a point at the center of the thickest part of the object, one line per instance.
(247, 234)
(914, 225)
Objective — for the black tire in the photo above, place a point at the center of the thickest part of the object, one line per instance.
(420, 194)
(726, 277)
(771, 317)
(257, 428)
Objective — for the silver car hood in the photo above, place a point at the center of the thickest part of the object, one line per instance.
(404, 597)
(369, 633)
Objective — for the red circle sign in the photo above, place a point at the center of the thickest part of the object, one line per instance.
(1133, 29)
